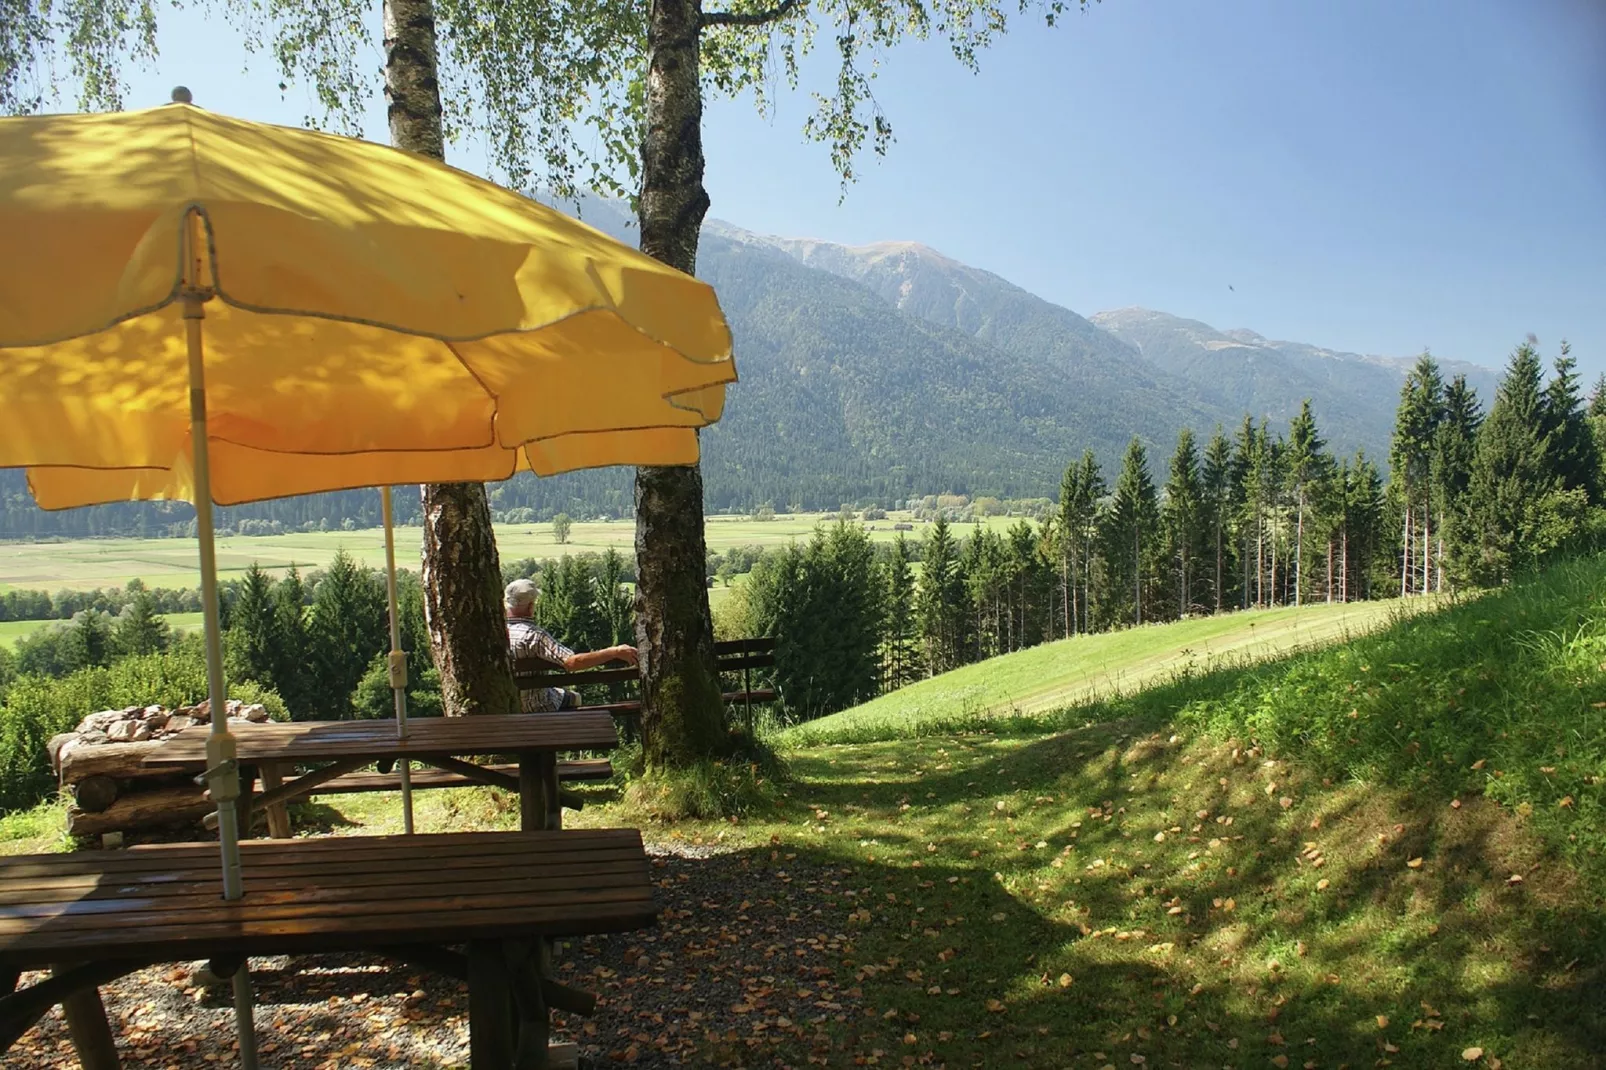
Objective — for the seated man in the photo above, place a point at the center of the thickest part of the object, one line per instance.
(527, 640)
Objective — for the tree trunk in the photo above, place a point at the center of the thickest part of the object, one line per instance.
(179, 805)
(1299, 552)
(462, 576)
(1343, 583)
(1405, 551)
(1426, 550)
(1218, 562)
(683, 716)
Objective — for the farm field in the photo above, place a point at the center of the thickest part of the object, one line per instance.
(83, 564)
(12, 630)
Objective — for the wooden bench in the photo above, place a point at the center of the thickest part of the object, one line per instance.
(733, 657)
(92, 917)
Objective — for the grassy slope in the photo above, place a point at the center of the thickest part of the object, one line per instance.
(1071, 671)
(1142, 888)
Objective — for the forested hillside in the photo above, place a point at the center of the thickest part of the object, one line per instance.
(879, 374)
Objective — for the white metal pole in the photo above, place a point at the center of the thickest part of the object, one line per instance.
(398, 659)
(222, 774)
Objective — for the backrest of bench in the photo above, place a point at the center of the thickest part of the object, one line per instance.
(733, 655)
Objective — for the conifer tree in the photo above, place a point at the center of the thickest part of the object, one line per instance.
(1566, 427)
(139, 628)
(1513, 494)
(1131, 530)
(1410, 459)
(249, 644)
(940, 604)
(1218, 504)
(899, 630)
(1183, 516)
(614, 601)
(88, 641)
(1306, 471)
(295, 677)
(1080, 492)
(348, 627)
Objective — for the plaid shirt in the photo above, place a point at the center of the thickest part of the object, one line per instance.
(526, 640)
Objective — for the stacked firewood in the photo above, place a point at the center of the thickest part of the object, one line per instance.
(101, 766)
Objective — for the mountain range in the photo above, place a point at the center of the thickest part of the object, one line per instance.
(883, 371)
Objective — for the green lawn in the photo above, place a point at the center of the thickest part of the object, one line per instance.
(1385, 852)
(88, 563)
(12, 630)
(1060, 674)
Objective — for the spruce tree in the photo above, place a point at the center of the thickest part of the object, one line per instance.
(1565, 425)
(1131, 531)
(348, 627)
(1184, 518)
(898, 616)
(88, 640)
(1218, 494)
(295, 676)
(614, 603)
(1245, 454)
(1306, 473)
(1513, 494)
(940, 604)
(1080, 492)
(249, 643)
(1416, 424)
(140, 629)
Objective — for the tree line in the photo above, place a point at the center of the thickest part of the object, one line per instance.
(1256, 519)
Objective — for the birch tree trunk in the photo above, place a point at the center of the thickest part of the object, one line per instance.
(462, 575)
(683, 715)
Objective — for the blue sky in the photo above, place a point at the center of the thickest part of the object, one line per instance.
(1366, 175)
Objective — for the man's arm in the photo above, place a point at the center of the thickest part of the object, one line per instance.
(592, 658)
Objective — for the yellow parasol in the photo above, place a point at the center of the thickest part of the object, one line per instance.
(202, 308)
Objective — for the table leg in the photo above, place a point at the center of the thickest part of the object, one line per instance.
(532, 794)
(242, 805)
(90, 1032)
(548, 764)
(490, 1008)
(278, 813)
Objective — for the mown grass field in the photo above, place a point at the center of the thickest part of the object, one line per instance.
(1383, 852)
(12, 630)
(1072, 671)
(82, 564)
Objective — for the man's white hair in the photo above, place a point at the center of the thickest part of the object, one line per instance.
(519, 595)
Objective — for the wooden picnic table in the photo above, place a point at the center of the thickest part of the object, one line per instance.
(274, 748)
(92, 917)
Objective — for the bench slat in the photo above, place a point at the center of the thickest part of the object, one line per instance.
(350, 783)
(177, 884)
(454, 888)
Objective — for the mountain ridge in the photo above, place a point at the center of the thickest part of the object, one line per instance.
(878, 372)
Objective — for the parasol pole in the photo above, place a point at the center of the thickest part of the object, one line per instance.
(398, 660)
(223, 771)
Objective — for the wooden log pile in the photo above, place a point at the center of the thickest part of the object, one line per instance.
(100, 764)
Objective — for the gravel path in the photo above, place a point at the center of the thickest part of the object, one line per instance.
(740, 971)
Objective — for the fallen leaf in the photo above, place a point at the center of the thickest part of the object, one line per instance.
(995, 1006)
(1321, 885)
(1065, 980)
(1472, 1055)
(1415, 863)
(1279, 1061)
(1382, 1021)
(1285, 802)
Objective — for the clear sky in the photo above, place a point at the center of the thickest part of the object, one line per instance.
(1366, 175)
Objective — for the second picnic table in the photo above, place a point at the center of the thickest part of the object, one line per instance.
(273, 749)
